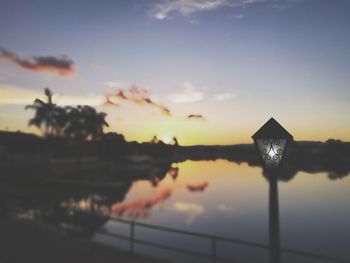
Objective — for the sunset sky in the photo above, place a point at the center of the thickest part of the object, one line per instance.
(231, 64)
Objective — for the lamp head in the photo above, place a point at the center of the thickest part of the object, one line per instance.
(271, 141)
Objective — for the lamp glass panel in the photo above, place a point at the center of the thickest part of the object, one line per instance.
(272, 151)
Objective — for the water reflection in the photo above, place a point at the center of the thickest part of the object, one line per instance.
(218, 198)
(139, 208)
(197, 187)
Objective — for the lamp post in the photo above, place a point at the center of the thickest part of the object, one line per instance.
(271, 141)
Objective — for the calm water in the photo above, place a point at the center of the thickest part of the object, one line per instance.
(226, 199)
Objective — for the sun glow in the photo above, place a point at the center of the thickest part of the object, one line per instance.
(166, 138)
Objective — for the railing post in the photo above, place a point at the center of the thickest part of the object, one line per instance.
(213, 249)
(132, 234)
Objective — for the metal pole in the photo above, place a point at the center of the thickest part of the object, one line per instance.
(213, 249)
(132, 234)
(274, 226)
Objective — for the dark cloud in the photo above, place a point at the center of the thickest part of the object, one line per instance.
(140, 96)
(62, 65)
(109, 102)
(195, 116)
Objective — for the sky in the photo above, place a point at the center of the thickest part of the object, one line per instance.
(205, 71)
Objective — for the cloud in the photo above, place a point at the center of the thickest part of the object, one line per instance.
(110, 102)
(92, 100)
(197, 187)
(113, 84)
(191, 209)
(62, 65)
(240, 16)
(16, 95)
(282, 4)
(195, 116)
(164, 9)
(96, 66)
(190, 94)
(225, 208)
(10, 94)
(223, 96)
(140, 96)
(140, 208)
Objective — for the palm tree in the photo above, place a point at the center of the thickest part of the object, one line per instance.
(44, 115)
(84, 123)
(94, 122)
(60, 119)
(74, 128)
(78, 123)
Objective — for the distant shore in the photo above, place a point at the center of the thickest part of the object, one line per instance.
(21, 149)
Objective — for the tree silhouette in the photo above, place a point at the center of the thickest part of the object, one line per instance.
(175, 141)
(74, 127)
(44, 117)
(154, 139)
(84, 123)
(78, 123)
(94, 121)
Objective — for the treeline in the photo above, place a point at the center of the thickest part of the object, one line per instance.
(76, 123)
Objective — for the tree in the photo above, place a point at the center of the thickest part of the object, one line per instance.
(93, 122)
(84, 123)
(175, 141)
(45, 115)
(78, 123)
(154, 139)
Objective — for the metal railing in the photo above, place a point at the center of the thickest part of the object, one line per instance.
(213, 239)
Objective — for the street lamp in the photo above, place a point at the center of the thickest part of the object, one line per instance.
(271, 141)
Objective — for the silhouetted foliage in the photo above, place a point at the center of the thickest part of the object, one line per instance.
(78, 123)
(84, 122)
(175, 141)
(45, 115)
(154, 139)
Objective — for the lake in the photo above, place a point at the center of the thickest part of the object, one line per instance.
(216, 198)
(226, 199)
